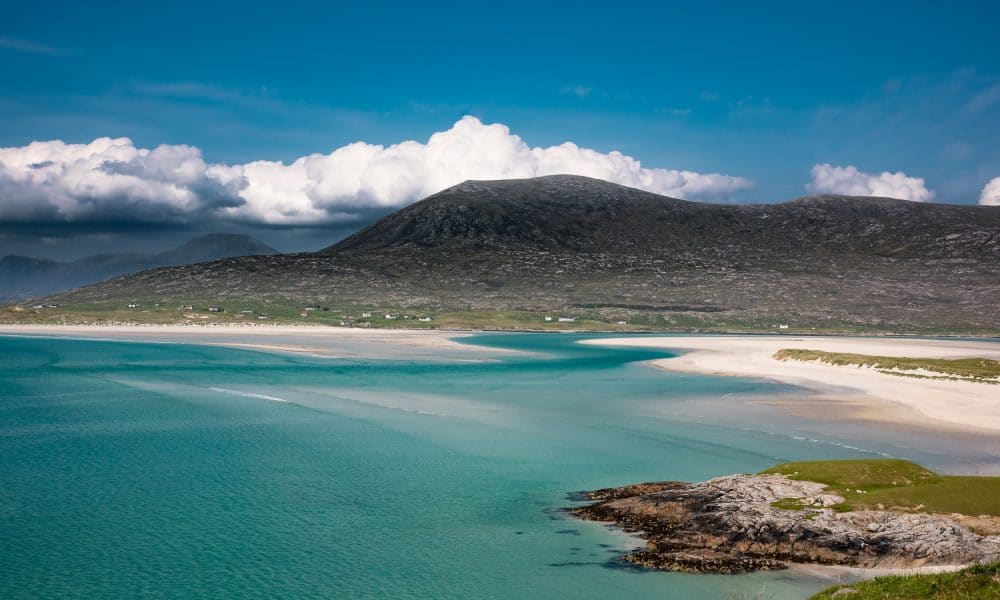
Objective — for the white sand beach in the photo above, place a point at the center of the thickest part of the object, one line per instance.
(341, 342)
(841, 392)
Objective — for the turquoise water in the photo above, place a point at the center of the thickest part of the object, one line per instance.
(170, 470)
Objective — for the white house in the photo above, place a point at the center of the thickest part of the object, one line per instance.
(425, 319)
(567, 319)
(547, 319)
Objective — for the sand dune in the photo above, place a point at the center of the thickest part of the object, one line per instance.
(841, 391)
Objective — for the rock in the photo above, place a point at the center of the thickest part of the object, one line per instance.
(728, 525)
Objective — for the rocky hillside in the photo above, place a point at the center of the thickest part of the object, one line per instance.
(583, 246)
(580, 215)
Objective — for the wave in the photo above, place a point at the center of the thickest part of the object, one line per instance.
(249, 395)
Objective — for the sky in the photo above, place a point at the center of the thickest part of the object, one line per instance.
(130, 126)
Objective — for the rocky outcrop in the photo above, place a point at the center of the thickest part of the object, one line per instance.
(729, 525)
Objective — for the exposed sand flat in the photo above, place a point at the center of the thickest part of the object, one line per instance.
(316, 340)
(843, 391)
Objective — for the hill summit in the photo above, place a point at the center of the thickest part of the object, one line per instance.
(580, 214)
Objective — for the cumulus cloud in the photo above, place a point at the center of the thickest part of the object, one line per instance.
(828, 179)
(991, 193)
(112, 178)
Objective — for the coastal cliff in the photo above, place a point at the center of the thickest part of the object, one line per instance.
(741, 523)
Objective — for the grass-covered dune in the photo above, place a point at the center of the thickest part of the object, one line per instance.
(897, 484)
(975, 369)
(978, 582)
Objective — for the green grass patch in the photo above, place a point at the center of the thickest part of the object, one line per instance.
(155, 309)
(789, 504)
(898, 484)
(978, 369)
(979, 582)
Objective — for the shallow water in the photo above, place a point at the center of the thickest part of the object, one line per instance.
(171, 470)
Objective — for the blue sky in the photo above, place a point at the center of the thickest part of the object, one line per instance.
(763, 91)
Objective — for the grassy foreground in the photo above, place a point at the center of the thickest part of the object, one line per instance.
(977, 369)
(896, 484)
(979, 582)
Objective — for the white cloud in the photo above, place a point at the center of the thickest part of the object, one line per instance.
(360, 175)
(991, 193)
(828, 179)
(28, 46)
(111, 178)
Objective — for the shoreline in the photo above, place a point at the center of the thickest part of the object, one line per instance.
(311, 340)
(832, 392)
(843, 574)
(825, 392)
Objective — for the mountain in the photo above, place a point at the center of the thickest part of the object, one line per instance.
(577, 214)
(588, 247)
(211, 247)
(24, 277)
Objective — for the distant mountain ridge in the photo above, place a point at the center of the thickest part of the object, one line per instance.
(582, 246)
(25, 277)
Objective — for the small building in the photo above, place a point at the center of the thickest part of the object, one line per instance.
(424, 319)
(782, 326)
(262, 317)
(623, 322)
(304, 313)
(247, 312)
(133, 305)
(389, 316)
(547, 319)
(366, 315)
(567, 319)
(217, 309)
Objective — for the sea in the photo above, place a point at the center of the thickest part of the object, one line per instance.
(170, 470)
